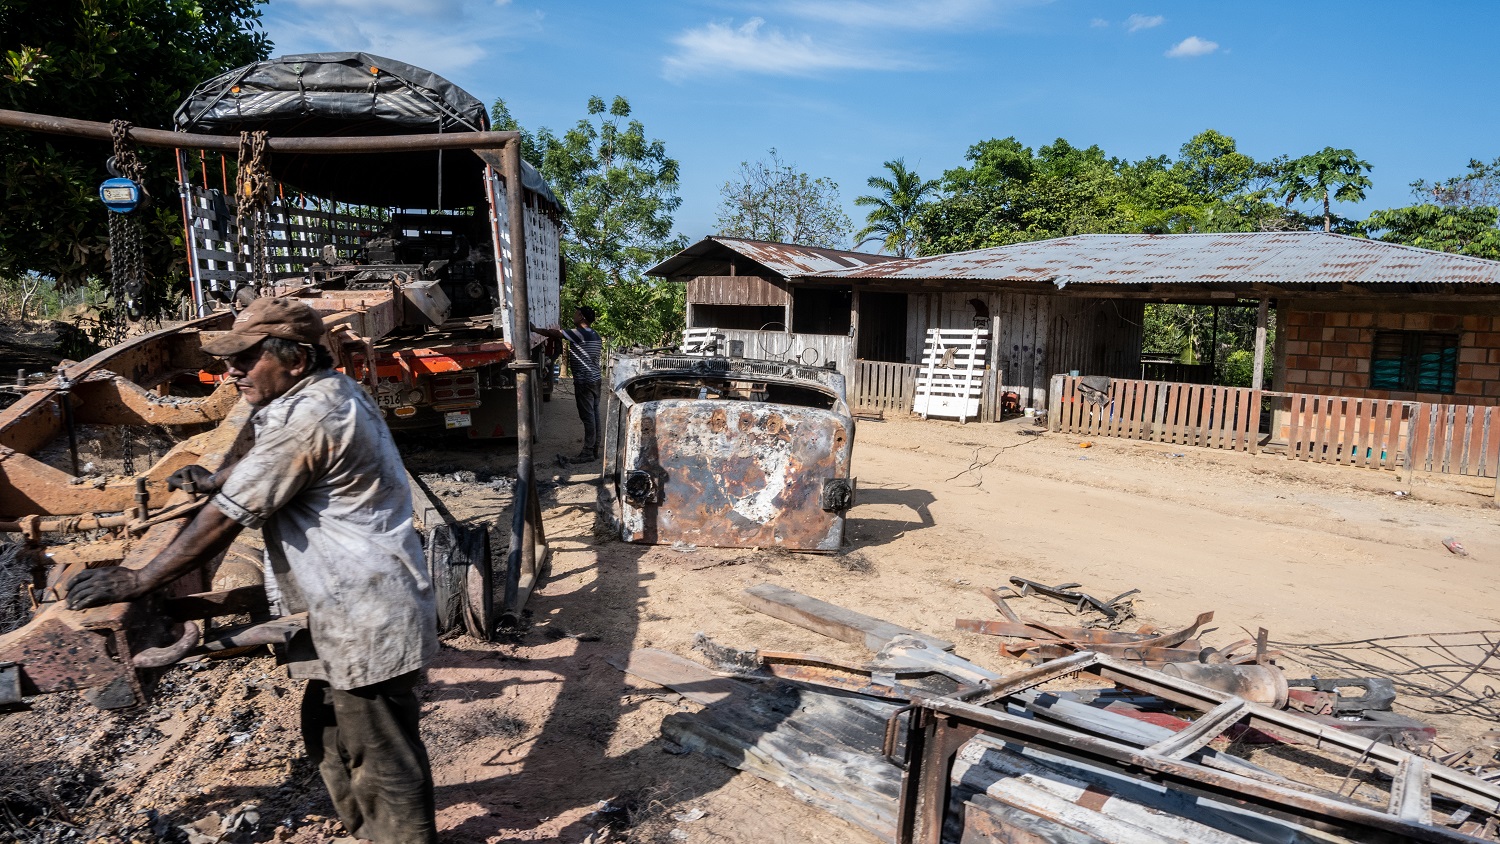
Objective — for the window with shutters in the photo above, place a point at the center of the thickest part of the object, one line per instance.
(1418, 361)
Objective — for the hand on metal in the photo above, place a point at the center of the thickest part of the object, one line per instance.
(195, 479)
(96, 587)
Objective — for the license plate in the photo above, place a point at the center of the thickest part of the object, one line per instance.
(457, 419)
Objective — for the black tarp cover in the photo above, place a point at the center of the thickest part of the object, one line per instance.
(333, 94)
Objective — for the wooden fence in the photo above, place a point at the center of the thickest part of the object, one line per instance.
(1158, 411)
(1369, 433)
(884, 386)
(1456, 440)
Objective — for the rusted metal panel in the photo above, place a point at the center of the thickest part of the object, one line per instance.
(736, 290)
(736, 474)
(116, 401)
(1238, 258)
(727, 452)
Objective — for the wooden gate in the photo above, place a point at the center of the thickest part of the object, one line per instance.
(951, 382)
(1158, 411)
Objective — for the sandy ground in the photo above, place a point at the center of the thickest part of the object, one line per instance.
(538, 738)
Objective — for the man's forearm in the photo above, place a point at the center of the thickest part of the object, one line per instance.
(205, 537)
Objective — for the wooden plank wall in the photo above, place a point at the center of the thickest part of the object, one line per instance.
(1456, 439)
(1034, 335)
(879, 385)
(1159, 411)
(1368, 433)
(736, 290)
(807, 349)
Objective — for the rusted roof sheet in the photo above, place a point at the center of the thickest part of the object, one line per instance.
(1231, 258)
(787, 260)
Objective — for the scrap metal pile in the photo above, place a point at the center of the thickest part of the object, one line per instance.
(920, 745)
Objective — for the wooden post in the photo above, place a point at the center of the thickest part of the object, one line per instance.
(1258, 379)
(1054, 404)
(854, 324)
(1411, 435)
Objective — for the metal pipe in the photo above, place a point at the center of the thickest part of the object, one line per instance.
(66, 524)
(231, 143)
(185, 193)
(523, 535)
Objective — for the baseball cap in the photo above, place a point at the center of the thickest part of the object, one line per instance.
(265, 317)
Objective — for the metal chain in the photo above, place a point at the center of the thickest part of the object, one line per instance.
(127, 453)
(127, 256)
(254, 190)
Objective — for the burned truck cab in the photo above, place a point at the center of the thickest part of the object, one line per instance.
(726, 452)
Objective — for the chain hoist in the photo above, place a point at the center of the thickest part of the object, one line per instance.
(254, 191)
(124, 195)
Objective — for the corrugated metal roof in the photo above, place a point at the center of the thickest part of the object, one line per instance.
(785, 259)
(1231, 258)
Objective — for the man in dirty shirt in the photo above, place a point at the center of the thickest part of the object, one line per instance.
(325, 484)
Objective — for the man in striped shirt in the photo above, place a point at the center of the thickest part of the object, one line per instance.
(584, 348)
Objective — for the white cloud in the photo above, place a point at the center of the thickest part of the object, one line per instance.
(1192, 46)
(904, 14)
(444, 36)
(1135, 23)
(752, 48)
(1098, 23)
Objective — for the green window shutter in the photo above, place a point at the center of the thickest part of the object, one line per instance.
(1387, 371)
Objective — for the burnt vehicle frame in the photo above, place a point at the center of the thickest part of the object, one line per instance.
(726, 452)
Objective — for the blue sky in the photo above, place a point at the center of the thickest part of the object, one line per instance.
(839, 87)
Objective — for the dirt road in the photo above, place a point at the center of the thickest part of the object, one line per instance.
(540, 738)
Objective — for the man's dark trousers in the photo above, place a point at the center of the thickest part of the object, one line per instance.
(370, 753)
(586, 394)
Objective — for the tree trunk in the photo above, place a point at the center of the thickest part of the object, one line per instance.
(1327, 215)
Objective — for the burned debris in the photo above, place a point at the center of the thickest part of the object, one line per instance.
(917, 744)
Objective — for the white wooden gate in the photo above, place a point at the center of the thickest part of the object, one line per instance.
(951, 380)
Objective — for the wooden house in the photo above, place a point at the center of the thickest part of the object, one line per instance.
(743, 289)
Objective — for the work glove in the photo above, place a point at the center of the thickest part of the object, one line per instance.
(201, 481)
(95, 587)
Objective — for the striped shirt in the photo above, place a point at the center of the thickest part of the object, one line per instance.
(584, 348)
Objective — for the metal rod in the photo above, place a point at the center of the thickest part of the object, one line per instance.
(231, 143)
(65, 404)
(185, 193)
(523, 534)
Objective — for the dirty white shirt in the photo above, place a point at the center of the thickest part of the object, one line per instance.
(327, 487)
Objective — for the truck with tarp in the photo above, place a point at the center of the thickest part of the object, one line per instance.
(428, 228)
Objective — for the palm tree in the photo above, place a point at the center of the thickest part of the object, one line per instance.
(1335, 173)
(893, 216)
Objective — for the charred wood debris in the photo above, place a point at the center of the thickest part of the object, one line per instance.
(1104, 735)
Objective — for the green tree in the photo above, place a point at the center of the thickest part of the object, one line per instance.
(1213, 167)
(619, 188)
(1465, 231)
(774, 201)
(1457, 215)
(1327, 175)
(893, 212)
(103, 60)
(1478, 188)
